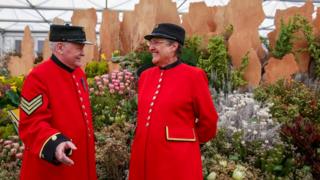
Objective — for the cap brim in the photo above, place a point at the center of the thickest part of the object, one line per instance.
(159, 35)
(83, 42)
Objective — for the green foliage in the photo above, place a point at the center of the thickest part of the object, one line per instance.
(278, 160)
(113, 152)
(96, 68)
(218, 66)
(286, 37)
(237, 76)
(313, 45)
(297, 108)
(217, 63)
(305, 135)
(191, 50)
(113, 98)
(6, 131)
(9, 99)
(289, 100)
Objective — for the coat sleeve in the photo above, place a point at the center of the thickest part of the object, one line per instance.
(206, 126)
(35, 129)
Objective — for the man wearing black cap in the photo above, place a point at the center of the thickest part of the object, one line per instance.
(175, 113)
(55, 115)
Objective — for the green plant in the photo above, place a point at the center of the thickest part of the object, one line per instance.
(9, 99)
(217, 63)
(191, 50)
(305, 135)
(286, 37)
(113, 98)
(96, 68)
(113, 150)
(11, 151)
(237, 76)
(289, 100)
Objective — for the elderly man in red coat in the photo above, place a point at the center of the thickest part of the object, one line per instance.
(55, 116)
(175, 113)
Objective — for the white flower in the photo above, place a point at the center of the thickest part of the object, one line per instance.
(212, 176)
(223, 163)
(255, 132)
(238, 174)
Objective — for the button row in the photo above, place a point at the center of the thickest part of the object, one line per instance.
(153, 99)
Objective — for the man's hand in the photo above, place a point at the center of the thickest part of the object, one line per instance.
(60, 152)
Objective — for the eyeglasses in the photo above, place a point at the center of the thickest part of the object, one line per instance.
(154, 42)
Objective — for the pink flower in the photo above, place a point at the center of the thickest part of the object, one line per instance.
(111, 91)
(91, 90)
(97, 78)
(111, 86)
(105, 76)
(105, 81)
(19, 155)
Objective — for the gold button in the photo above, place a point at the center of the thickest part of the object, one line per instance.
(77, 84)
(154, 97)
(158, 86)
(81, 99)
(83, 106)
(85, 114)
(161, 74)
(152, 103)
(160, 80)
(147, 124)
(157, 92)
(149, 117)
(79, 91)
(150, 110)
(74, 76)
(53, 138)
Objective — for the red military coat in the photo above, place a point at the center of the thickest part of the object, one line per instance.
(167, 137)
(55, 107)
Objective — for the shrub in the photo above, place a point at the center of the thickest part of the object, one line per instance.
(113, 98)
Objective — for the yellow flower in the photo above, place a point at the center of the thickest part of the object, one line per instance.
(14, 88)
(103, 56)
(2, 78)
(116, 53)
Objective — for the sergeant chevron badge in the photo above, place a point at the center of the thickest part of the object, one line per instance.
(30, 106)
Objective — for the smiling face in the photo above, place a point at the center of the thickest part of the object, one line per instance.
(163, 51)
(70, 54)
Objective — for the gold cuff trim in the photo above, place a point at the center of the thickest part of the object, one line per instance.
(180, 139)
(44, 144)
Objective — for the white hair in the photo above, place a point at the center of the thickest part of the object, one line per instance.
(53, 45)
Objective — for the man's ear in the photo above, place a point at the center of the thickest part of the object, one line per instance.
(175, 45)
(60, 47)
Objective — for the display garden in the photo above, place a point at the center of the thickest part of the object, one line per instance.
(271, 131)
